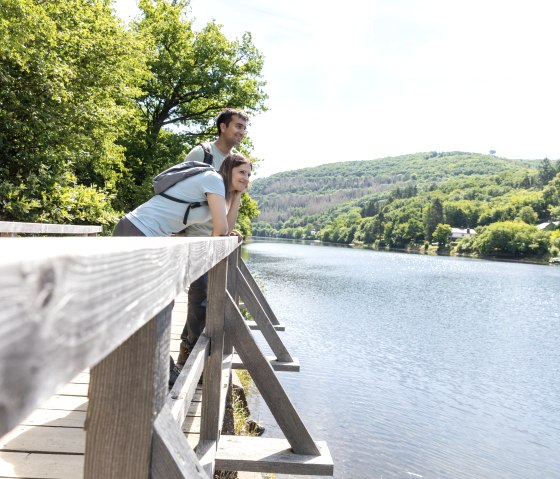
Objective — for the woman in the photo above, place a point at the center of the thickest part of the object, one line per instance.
(160, 216)
(222, 190)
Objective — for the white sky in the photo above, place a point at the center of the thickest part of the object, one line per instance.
(364, 79)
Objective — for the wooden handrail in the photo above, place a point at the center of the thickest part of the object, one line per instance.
(13, 228)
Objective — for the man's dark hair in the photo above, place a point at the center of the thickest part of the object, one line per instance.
(226, 116)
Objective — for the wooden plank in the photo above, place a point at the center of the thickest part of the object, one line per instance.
(55, 418)
(66, 403)
(172, 457)
(40, 439)
(43, 228)
(292, 366)
(45, 466)
(267, 383)
(261, 318)
(258, 293)
(74, 389)
(259, 454)
(119, 430)
(180, 397)
(65, 303)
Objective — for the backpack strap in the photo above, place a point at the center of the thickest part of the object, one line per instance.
(195, 204)
(206, 148)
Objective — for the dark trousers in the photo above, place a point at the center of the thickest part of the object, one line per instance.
(196, 312)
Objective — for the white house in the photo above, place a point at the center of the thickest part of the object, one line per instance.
(457, 233)
(549, 225)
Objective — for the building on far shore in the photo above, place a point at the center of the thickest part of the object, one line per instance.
(457, 233)
(549, 225)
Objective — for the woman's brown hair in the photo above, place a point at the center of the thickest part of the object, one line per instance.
(229, 163)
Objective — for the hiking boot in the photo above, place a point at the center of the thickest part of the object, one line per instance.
(183, 355)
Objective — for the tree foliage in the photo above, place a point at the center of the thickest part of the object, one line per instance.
(68, 77)
(91, 110)
(193, 76)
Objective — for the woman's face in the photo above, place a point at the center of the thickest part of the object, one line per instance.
(240, 177)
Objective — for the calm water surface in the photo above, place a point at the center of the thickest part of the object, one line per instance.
(418, 366)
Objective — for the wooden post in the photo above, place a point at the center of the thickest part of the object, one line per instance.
(127, 391)
(212, 376)
(232, 281)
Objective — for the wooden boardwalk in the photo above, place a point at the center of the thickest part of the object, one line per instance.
(50, 443)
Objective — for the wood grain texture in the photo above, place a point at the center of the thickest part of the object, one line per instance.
(172, 457)
(45, 466)
(65, 303)
(127, 391)
(276, 365)
(212, 391)
(259, 454)
(42, 228)
(181, 396)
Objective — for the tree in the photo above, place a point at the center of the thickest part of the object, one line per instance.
(528, 215)
(546, 171)
(433, 215)
(194, 75)
(247, 211)
(511, 238)
(441, 234)
(69, 73)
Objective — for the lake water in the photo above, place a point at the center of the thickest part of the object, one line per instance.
(418, 366)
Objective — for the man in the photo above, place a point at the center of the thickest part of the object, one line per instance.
(232, 125)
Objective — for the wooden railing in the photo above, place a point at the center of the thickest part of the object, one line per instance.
(12, 228)
(67, 304)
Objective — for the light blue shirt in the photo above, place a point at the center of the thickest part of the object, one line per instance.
(197, 154)
(160, 216)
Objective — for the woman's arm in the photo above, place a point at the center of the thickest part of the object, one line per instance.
(220, 220)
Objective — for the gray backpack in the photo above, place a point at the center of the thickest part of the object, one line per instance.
(173, 175)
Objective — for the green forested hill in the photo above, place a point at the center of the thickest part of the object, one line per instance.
(401, 201)
(313, 190)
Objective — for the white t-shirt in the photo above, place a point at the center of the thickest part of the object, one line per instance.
(197, 154)
(160, 216)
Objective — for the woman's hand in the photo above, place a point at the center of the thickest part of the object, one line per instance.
(238, 234)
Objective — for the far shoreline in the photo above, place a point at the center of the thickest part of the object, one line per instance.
(535, 261)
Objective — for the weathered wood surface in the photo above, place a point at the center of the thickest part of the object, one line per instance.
(65, 303)
(248, 294)
(246, 453)
(123, 282)
(54, 447)
(214, 395)
(292, 366)
(12, 227)
(119, 430)
(258, 293)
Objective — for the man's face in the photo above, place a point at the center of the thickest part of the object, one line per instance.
(234, 132)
